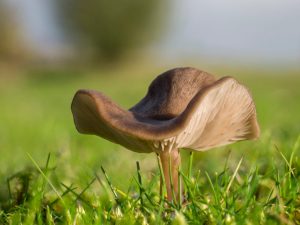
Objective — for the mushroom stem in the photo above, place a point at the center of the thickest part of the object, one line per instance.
(170, 161)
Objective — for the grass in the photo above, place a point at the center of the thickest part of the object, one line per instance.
(50, 174)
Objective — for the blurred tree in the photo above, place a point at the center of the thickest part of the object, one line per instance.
(11, 42)
(111, 28)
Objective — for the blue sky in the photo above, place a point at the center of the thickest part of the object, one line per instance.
(255, 30)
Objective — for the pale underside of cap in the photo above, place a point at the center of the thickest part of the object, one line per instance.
(184, 108)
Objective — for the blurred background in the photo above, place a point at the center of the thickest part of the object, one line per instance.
(49, 49)
(231, 32)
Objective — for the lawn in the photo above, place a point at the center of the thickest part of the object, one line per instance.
(50, 174)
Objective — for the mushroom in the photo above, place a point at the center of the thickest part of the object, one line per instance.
(185, 108)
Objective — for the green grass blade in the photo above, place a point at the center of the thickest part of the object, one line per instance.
(138, 169)
(291, 171)
(191, 157)
(86, 188)
(162, 177)
(213, 188)
(179, 188)
(233, 176)
(45, 177)
(110, 185)
(171, 179)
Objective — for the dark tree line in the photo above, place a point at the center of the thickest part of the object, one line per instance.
(110, 28)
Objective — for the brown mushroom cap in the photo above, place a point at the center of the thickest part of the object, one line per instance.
(184, 108)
